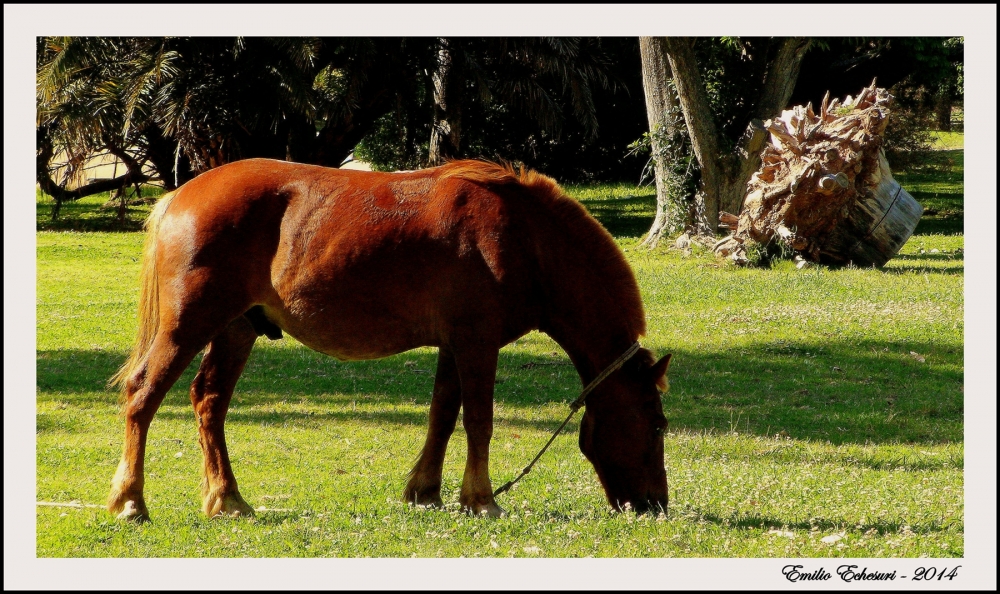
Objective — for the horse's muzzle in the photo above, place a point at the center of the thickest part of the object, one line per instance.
(650, 505)
(642, 505)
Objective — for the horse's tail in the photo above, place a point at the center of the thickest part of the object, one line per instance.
(149, 299)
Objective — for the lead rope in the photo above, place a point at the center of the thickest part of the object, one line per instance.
(574, 406)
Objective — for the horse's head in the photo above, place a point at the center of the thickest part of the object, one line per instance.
(622, 434)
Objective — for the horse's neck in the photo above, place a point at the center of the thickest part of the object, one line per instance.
(591, 349)
(587, 321)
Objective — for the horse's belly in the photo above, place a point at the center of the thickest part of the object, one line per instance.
(376, 306)
(354, 329)
(376, 342)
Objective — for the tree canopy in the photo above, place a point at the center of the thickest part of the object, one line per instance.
(172, 107)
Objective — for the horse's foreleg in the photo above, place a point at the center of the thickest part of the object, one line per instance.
(211, 391)
(144, 393)
(477, 370)
(424, 485)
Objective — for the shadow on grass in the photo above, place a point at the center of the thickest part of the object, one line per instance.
(931, 257)
(753, 521)
(938, 187)
(271, 517)
(632, 217)
(629, 216)
(950, 270)
(949, 223)
(942, 263)
(105, 223)
(836, 391)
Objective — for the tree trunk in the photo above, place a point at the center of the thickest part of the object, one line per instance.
(446, 129)
(942, 107)
(660, 102)
(700, 124)
(725, 175)
(780, 77)
(162, 153)
(779, 83)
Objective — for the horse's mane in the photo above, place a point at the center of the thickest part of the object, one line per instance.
(603, 254)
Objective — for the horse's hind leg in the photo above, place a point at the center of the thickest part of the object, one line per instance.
(424, 485)
(144, 392)
(211, 391)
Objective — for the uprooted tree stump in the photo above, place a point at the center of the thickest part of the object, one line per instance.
(824, 188)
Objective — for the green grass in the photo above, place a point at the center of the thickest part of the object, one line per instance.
(947, 140)
(90, 213)
(939, 187)
(803, 404)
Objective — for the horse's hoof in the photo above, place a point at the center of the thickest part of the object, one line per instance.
(488, 510)
(132, 511)
(230, 505)
(423, 498)
(128, 508)
(429, 503)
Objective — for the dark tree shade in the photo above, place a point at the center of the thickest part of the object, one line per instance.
(844, 65)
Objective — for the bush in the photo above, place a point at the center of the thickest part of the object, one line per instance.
(907, 138)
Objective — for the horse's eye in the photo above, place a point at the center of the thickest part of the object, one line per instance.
(658, 430)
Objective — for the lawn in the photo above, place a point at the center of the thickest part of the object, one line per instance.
(813, 413)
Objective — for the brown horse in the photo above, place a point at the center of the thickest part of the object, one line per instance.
(466, 257)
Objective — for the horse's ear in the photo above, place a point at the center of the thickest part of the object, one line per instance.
(659, 372)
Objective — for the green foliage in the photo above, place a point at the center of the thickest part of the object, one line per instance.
(957, 55)
(565, 106)
(391, 146)
(797, 410)
(733, 71)
(842, 65)
(756, 253)
(907, 139)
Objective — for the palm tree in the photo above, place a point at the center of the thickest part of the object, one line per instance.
(172, 107)
(83, 100)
